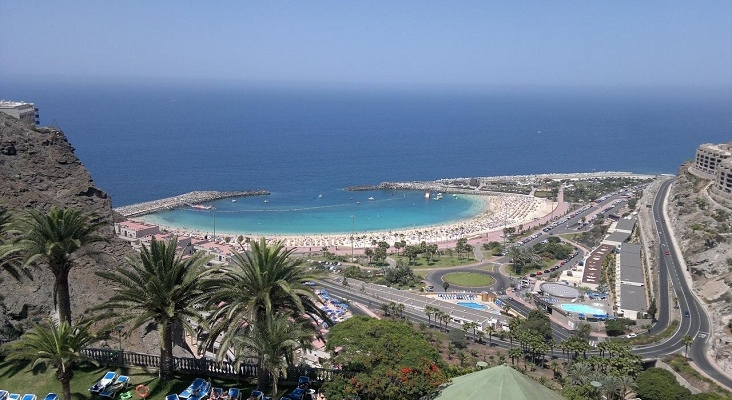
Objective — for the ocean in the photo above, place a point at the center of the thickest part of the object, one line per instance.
(147, 141)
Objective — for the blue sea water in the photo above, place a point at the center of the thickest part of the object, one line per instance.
(147, 141)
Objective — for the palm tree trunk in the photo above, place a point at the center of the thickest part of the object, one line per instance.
(166, 350)
(63, 298)
(66, 389)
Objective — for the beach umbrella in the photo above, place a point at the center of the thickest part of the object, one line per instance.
(500, 383)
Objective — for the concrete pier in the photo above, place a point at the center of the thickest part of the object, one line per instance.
(198, 197)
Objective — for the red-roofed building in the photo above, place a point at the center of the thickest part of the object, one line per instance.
(222, 253)
(134, 230)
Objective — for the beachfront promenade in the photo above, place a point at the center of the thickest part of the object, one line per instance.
(198, 197)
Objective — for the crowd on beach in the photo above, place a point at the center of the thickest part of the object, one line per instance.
(499, 211)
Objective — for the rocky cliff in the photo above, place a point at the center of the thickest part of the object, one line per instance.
(703, 229)
(38, 169)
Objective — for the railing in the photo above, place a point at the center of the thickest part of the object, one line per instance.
(196, 366)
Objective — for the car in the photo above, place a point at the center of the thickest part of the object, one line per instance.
(532, 275)
(538, 273)
(686, 314)
(631, 335)
(546, 271)
(668, 253)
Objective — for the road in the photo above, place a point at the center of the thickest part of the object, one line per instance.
(671, 279)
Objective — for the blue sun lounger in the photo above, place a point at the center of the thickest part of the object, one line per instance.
(28, 396)
(111, 391)
(4, 394)
(51, 396)
(106, 380)
(234, 394)
(193, 388)
(13, 396)
(172, 397)
(201, 392)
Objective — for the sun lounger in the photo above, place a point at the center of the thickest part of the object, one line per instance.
(51, 396)
(13, 396)
(235, 394)
(193, 388)
(216, 393)
(106, 380)
(201, 392)
(28, 396)
(119, 385)
(4, 394)
(172, 397)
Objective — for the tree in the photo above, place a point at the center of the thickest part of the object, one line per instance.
(653, 309)
(382, 359)
(255, 285)
(491, 330)
(522, 257)
(445, 285)
(56, 346)
(538, 321)
(54, 239)
(659, 384)
(687, 340)
(369, 253)
(160, 286)
(9, 256)
(274, 340)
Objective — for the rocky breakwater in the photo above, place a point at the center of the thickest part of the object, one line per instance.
(198, 197)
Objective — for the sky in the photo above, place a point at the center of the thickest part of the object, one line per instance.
(422, 43)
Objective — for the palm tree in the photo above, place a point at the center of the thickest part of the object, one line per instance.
(53, 239)
(687, 340)
(255, 285)
(55, 346)
(491, 330)
(9, 257)
(522, 257)
(515, 353)
(274, 341)
(161, 287)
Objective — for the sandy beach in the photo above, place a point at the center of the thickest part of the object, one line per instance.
(497, 211)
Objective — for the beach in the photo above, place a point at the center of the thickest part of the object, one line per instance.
(498, 210)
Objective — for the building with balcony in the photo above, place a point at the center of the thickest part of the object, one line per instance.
(708, 157)
(25, 112)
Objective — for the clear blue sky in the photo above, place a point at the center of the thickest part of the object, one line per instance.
(447, 43)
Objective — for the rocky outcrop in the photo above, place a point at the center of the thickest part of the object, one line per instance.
(38, 169)
(703, 229)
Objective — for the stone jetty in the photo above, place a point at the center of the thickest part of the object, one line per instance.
(198, 197)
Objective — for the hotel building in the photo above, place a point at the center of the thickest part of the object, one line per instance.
(25, 112)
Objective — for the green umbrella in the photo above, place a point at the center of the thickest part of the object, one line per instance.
(500, 383)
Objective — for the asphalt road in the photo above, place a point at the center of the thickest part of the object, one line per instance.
(671, 278)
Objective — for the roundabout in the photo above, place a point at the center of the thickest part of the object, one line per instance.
(470, 279)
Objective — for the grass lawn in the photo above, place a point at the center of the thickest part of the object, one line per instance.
(440, 262)
(469, 279)
(23, 380)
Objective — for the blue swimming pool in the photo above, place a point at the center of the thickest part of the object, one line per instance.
(582, 309)
(472, 304)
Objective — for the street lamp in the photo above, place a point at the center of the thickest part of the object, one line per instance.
(353, 228)
(119, 330)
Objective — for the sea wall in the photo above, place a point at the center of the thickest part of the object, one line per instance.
(149, 207)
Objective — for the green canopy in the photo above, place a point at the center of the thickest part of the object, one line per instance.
(501, 383)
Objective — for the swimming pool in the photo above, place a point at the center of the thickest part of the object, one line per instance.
(582, 309)
(471, 304)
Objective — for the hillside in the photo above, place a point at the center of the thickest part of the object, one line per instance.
(703, 229)
(38, 169)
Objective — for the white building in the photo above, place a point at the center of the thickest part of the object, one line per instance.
(25, 112)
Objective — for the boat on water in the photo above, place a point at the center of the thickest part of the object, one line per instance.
(427, 195)
(201, 207)
(266, 201)
(439, 196)
(371, 198)
(233, 200)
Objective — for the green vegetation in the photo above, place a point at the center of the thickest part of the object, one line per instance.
(589, 190)
(386, 358)
(469, 279)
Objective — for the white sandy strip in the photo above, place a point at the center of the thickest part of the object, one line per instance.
(499, 211)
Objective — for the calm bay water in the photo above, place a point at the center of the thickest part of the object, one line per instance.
(143, 142)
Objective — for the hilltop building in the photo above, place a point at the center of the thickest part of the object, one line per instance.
(713, 162)
(25, 112)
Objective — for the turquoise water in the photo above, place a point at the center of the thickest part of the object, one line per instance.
(582, 309)
(334, 212)
(471, 304)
